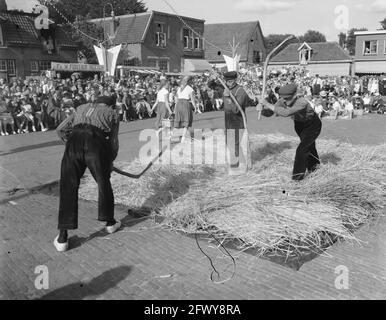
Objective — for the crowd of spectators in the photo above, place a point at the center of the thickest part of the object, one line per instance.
(42, 103)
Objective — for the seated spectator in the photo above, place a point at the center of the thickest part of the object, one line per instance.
(38, 111)
(26, 116)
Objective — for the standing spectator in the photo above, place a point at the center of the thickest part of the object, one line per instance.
(53, 109)
(162, 105)
(317, 85)
(186, 103)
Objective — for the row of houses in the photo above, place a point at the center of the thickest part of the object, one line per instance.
(330, 59)
(174, 44)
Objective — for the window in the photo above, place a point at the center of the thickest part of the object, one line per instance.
(11, 67)
(196, 43)
(186, 36)
(304, 56)
(256, 57)
(160, 35)
(152, 63)
(163, 65)
(44, 65)
(34, 66)
(129, 62)
(3, 65)
(370, 47)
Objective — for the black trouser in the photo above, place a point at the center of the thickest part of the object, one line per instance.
(88, 147)
(306, 155)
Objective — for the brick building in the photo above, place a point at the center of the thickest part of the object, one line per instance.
(158, 40)
(26, 51)
(370, 52)
(247, 34)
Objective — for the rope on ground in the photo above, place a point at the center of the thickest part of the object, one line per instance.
(211, 261)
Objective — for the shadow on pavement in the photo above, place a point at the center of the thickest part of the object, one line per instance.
(96, 286)
(32, 147)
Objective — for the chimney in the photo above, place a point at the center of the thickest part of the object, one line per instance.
(3, 6)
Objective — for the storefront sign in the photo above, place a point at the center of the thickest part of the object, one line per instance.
(72, 67)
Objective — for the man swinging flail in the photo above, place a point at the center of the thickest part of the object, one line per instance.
(93, 144)
(307, 126)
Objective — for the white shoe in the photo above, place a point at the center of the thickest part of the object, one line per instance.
(114, 228)
(7, 134)
(61, 247)
(45, 129)
(33, 129)
(3, 134)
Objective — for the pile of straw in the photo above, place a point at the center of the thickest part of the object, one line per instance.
(264, 209)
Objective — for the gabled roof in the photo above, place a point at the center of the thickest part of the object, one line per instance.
(321, 51)
(132, 27)
(221, 34)
(305, 44)
(19, 28)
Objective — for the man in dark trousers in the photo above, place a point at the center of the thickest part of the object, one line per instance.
(307, 127)
(234, 119)
(92, 143)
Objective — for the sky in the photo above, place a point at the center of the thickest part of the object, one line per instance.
(276, 16)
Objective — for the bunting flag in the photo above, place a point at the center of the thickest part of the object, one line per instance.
(111, 55)
(232, 63)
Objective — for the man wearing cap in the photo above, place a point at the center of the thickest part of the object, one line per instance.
(233, 116)
(92, 144)
(307, 127)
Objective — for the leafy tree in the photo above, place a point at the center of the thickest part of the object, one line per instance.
(351, 40)
(91, 8)
(383, 24)
(76, 13)
(273, 40)
(312, 36)
(342, 39)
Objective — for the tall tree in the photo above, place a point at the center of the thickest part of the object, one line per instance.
(312, 36)
(91, 8)
(273, 40)
(383, 24)
(342, 39)
(351, 40)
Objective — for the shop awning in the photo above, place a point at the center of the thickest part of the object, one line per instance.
(196, 66)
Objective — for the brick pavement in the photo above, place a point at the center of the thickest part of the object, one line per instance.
(143, 261)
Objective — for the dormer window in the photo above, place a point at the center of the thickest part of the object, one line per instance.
(305, 53)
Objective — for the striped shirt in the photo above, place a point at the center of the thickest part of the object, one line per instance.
(96, 114)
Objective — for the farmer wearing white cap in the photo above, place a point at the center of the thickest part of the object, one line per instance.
(307, 127)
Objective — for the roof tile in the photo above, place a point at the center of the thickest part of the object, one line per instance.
(321, 51)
